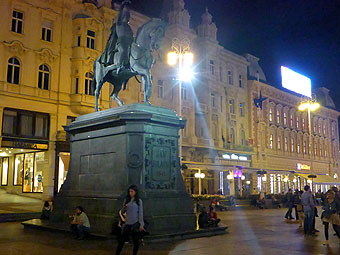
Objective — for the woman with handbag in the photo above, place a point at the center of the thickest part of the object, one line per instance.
(330, 215)
(134, 223)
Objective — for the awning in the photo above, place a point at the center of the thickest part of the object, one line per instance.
(321, 179)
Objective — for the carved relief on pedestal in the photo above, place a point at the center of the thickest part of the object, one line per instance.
(161, 162)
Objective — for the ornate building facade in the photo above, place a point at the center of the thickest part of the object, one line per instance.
(47, 51)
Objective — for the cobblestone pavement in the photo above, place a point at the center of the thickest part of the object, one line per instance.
(250, 232)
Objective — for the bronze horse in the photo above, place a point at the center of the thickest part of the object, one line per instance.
(149, 37)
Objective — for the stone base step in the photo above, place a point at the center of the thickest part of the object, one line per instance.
(50, 226)
(8, 217)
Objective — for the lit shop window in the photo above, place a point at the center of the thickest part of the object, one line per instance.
(4, 171)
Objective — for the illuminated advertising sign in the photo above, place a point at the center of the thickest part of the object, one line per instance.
(296, 82)
(303, 166)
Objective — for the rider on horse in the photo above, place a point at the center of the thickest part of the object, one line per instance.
(119, 44)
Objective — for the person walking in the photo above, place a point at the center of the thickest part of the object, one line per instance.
(290, 204)
(299, 208)
(134, 223)
(296, 201)
(308, 209)
(330, 215)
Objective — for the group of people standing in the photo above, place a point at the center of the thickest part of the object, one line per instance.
(305, 205)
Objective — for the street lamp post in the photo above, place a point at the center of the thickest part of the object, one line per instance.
(310, 105)
(181, 54)
(200, 176)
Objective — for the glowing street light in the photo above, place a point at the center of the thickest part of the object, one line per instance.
(181, 54)
(199, 175)
(310, 105)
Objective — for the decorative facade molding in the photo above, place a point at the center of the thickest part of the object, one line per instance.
(46, 55)
(16, 47)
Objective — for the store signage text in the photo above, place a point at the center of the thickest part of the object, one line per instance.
(23, 145)
(235, 157)
(303, 166)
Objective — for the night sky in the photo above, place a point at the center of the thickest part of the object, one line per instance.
(303, 35)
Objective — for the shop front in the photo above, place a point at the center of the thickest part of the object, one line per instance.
(227, 176)
(24, 152)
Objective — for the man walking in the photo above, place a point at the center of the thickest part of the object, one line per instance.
(308, 209)
(290, 204)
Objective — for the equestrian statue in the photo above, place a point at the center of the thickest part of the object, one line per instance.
(125, 57)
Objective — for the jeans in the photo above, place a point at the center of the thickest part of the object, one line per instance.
(79, 230)
(129, 230)
(290, 209)
(308, 222)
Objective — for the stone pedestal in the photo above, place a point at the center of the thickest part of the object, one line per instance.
(112, 149)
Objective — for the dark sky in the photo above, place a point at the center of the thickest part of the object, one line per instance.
(303, 35)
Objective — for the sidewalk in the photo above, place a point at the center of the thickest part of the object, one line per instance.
(14, 207)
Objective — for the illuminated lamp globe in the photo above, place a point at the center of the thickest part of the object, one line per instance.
(248, 182)
(285, 179)
(243, 177)
(229, 176)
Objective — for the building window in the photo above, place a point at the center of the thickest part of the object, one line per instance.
(291, 120)
(297, 122)
(78, 40)
(18, 169)
(298, 147)
(232, 135)
(315, 149)
(278, 117)
(213, 100)
(184, 91)
(13, 71)
(332, 130)
(230, 77)
(304, 147)
(243, 137)
(286, 144)
(44, 77)
(320, 148)
(91, 36)
(221, 70)
(279, 184)
(284, 118)
(212, 67)
(76, 87)
(231, 106)
(271, 183)
(89, 88)
(319, 129)
(221, 102)
(23, 123)
(4, 163)
(46, 32)
(240, 81)
(17, 22)
(271, 142)
(314, 127)
(324, 129)
(292, 145)
(28, 171)
(270, 114)
(279, 142)
(303, 123)
(325, 150)
(160, 88)
(242, 109)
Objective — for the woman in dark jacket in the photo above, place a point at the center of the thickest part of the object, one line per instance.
(331, 214)
(134, 223)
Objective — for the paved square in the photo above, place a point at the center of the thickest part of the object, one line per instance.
(250, 232)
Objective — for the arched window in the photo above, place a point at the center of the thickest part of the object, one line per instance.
(232, 136)
(13, 71)
(89, 88)
(44, 77)
(243, 137)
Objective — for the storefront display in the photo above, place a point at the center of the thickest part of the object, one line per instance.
(4, 171)
(28, 171)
